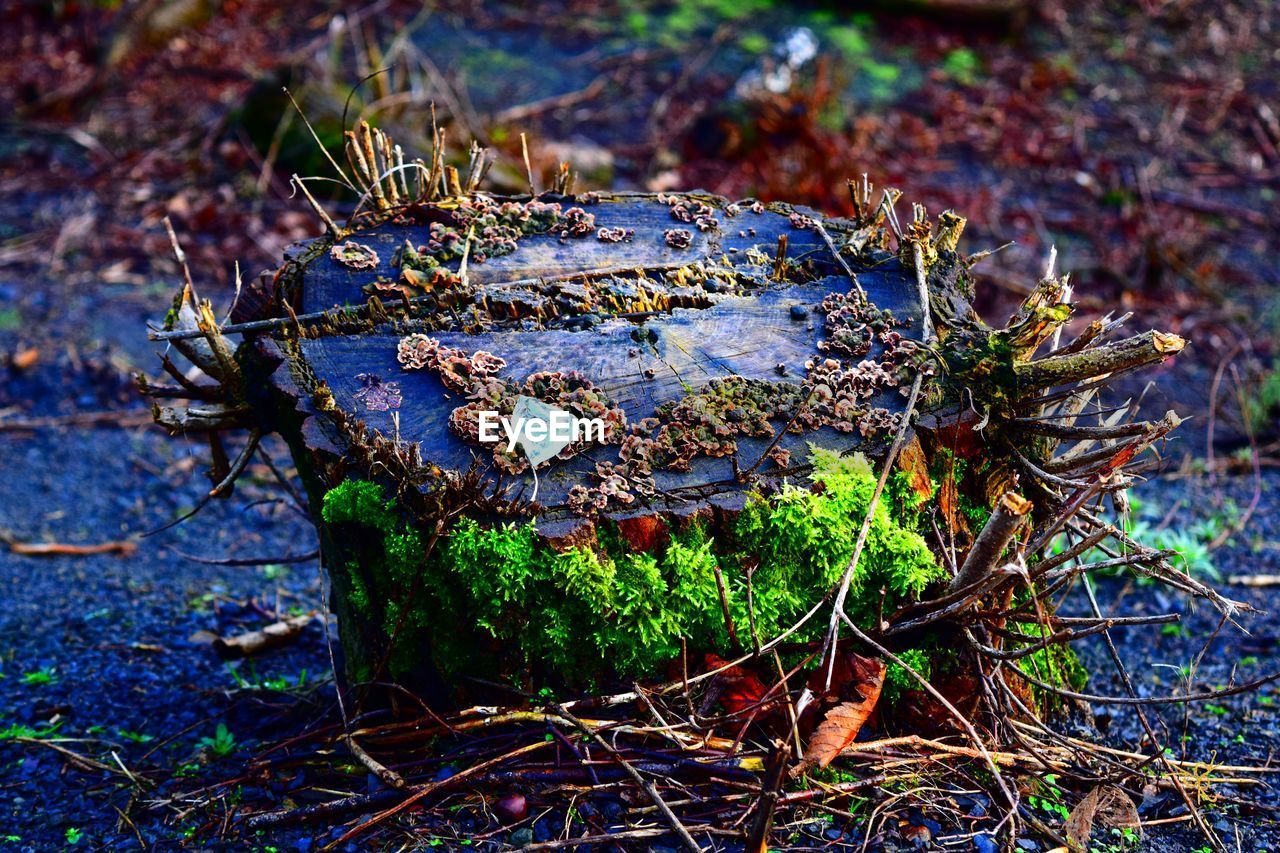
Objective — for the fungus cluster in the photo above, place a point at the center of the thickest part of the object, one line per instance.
(705, 423)
(678, 238)
(852, 324)
(575, 222)
(614, 235)
(476, 377)
(685, 209)
(836, 391)
(354, 256)
(710, 421)
(801, 222)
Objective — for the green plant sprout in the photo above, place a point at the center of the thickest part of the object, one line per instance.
(222, 744)
(39, 677)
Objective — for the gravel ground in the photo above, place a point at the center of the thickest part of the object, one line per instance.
(111, 650)
(1242, 729)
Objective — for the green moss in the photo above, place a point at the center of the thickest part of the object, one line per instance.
(1057, 665)
(564, 614)
(898, 681)
(804, 539)
(568, 611)
(359, 502)
(394, 554)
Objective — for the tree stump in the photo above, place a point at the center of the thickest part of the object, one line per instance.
(793, 410)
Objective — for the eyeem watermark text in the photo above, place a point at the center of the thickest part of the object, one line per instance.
(536, 425)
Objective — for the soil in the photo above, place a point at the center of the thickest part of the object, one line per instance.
(1143, 148)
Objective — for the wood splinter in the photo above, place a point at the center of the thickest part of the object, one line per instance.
(996, 534)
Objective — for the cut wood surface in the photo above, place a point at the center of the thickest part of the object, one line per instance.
(767, 330)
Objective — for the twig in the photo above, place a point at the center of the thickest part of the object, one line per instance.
(767, 804)
(837, 608)
(555, 102)
(388, 776)
(1010, 796)
(270, 637)
(528, 169)
(250, 561)
(430, 788)
(996, 535)
(237, 468)
(81, 761)
(674, 822)
(848, 271)
(612, 837)
(334, 231)
(130, 418)
(55, 549)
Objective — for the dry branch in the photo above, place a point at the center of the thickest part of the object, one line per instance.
(1073, 367)
(56, 549)
(991, 543)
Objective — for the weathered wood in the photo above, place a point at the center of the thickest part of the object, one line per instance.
(754, 334)
(653, 319)
(1122, 355)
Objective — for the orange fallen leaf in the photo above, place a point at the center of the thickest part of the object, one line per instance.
(25, 358)
(843, 722)
(912, 462)
(849, 671)
(737, 688)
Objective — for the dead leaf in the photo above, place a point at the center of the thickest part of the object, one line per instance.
(848, 673)
(738, 689)
(1107, 804)
(843, 722)
(912, 462)
(25, 358)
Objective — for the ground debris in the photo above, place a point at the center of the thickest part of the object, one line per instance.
(263, 639)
